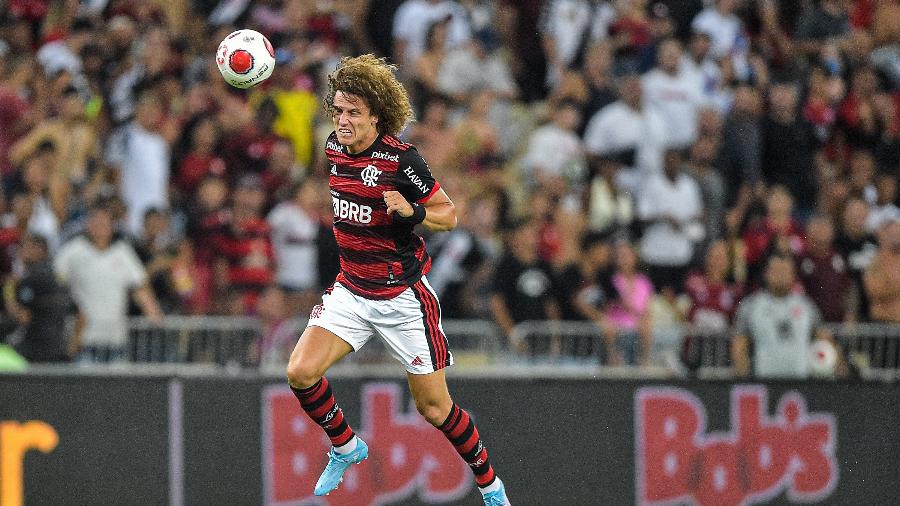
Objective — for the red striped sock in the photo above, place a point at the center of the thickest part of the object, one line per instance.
(319, 404)
(463, 435)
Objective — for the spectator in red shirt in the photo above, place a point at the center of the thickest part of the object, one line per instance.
(250, 148)
(778, 225)
(202, 158)
(281, 173)
(713, 296)
(207, 217)
(13, 228)
(13, 107)
(824, 273)
(245, 261)
(858, 114)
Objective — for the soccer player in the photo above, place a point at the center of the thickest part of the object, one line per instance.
(380, 189)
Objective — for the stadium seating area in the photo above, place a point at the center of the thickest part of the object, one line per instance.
(630, 163)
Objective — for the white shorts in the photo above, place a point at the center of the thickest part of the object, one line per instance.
(410, 324)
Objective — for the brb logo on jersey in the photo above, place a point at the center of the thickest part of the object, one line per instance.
(370, 175)
(678, 462)
(407, 456)
(346, 210)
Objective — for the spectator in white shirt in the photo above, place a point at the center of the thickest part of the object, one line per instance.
(295, 231)
(671, 208)
(62, 55)
(411, 23)
(567, 28)
(700, 62)
(142, 158)
(554, 149)
(675, 93)
(626, 127)
(722, 26)
(100, 271)
(475, 66)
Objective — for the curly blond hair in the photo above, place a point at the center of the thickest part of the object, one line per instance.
(372, 79)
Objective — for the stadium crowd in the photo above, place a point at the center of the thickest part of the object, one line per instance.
(629, 162)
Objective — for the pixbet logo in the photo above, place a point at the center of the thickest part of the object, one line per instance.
(678, 462)
(378, 155)
(407, 456)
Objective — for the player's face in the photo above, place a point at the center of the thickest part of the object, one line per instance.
(354, 123)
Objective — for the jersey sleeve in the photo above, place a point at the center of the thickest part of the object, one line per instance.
(415, 181)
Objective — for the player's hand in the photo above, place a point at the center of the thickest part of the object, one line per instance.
(396, 203)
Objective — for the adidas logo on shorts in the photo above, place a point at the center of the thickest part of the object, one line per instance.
(417, 361)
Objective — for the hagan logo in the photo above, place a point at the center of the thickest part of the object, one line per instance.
(378, 155)
(408, 458)
(416, 180)
(678, 462)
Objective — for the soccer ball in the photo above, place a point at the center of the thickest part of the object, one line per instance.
(245, 58)
(822, 358)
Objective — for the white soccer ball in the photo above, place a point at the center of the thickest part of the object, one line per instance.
(245, 58)
(822, 358)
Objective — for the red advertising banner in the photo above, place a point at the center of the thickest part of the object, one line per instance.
(407, 456)
(677, 461)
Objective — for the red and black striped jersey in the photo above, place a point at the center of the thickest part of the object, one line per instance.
(379, 257)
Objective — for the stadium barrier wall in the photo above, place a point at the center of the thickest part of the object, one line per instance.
(197, 440)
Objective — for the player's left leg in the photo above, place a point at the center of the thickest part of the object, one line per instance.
(420, 345)
(434, 403)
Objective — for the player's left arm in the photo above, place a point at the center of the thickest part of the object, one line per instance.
(440, 213)
(419, 197)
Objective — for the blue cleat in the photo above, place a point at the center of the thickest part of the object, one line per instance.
(497, 497)
(337, 464)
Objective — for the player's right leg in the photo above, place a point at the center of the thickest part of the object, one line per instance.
(317, 350)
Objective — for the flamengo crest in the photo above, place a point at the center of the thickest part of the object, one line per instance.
(370, 175)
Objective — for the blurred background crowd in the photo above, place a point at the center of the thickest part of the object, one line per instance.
(635, 163)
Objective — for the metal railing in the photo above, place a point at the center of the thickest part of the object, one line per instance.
(871, 350)
(233, 341)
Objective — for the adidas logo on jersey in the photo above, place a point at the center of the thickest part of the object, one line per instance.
(417, 362)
